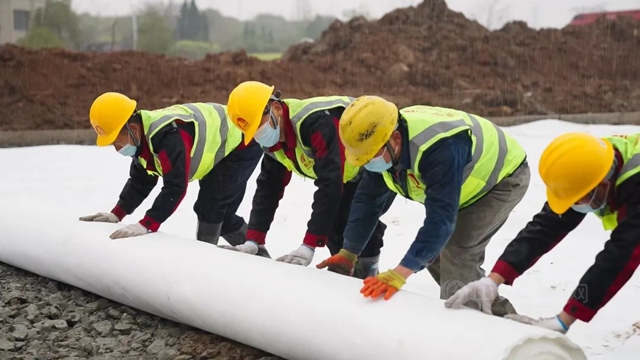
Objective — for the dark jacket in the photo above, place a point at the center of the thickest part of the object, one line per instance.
(319, 131)
(441, 167)
(613, 266)
(173, 146)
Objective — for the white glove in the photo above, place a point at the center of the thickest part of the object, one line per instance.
(300, 256)
(101, 217)
(552, 323)
(130, 230)
(483, 291)
(249, 247)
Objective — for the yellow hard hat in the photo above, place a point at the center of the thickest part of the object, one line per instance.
(109, 113)
(365, 126)
(246, 105)
(572, 166)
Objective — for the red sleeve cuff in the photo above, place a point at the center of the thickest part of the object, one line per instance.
(257, 236)
(119, 212)
(579, 310)
(314, 240)
(506, 271)
(150, 224)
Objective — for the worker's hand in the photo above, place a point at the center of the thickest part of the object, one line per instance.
(129, 231)
(341, 263)
(387, 283)
(249, 247)
(300, 256)
(108, 217)
(483, 291)
(552, 323)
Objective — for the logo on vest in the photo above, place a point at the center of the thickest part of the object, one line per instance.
(415, 181)
(304, 161)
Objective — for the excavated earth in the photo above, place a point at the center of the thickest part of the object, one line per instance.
(426, 54)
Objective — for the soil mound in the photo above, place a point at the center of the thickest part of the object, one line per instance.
(426, 54)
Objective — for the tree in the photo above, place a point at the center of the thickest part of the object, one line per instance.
(61, 21)
(40, 38)
(154, 35)
(192, 25)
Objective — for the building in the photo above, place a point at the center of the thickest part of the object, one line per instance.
(16, 18)
(584, 19)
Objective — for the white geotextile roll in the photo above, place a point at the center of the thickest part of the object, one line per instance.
(290, 311)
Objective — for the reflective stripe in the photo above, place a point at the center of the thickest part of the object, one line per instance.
(314, 106)
(224, 128)
(200, 142)
(631, 164)
(309, 108)
(497, 167)
(476, 130)
(429, 133)
(198, 153)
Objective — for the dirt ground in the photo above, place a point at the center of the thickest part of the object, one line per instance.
(427, 54)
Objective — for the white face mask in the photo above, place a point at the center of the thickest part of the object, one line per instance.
(266, 135)
(594, 204)
(379, 164)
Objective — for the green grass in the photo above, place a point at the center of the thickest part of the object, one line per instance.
(267, 56)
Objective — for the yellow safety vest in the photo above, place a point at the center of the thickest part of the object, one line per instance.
(214, 138)
(299, 110)
(495, 154)
(629, 148)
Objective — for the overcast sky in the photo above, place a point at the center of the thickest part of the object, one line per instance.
(537, 13)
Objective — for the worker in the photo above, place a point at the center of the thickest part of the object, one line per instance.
(300, 136)
(466, 172)
(582, 174)
(180, 143)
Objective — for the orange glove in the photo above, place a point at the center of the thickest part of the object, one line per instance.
(387, 283)
(341, 263)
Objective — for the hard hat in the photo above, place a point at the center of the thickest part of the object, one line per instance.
(109, 113)
(246, 105)
(365, 126)
(572, 166)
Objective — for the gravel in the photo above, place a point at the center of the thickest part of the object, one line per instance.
(42, 319)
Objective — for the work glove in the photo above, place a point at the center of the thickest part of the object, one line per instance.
(108, 217)
(387, 283)
(552, 323)
(341, 263)
(483, 291)
(300, 256)
(249, 247)
(129, 231)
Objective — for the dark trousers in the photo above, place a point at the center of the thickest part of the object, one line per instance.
(336, 239)
(223, 188)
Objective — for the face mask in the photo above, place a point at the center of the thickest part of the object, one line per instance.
(378, 164)
(267, 136)
(128, 150)
(593, 205)
(586, 208)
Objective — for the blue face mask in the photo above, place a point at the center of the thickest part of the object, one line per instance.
(267, 136)
(378, 164)
(593, 205)
(585, 208)
(128, 150)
